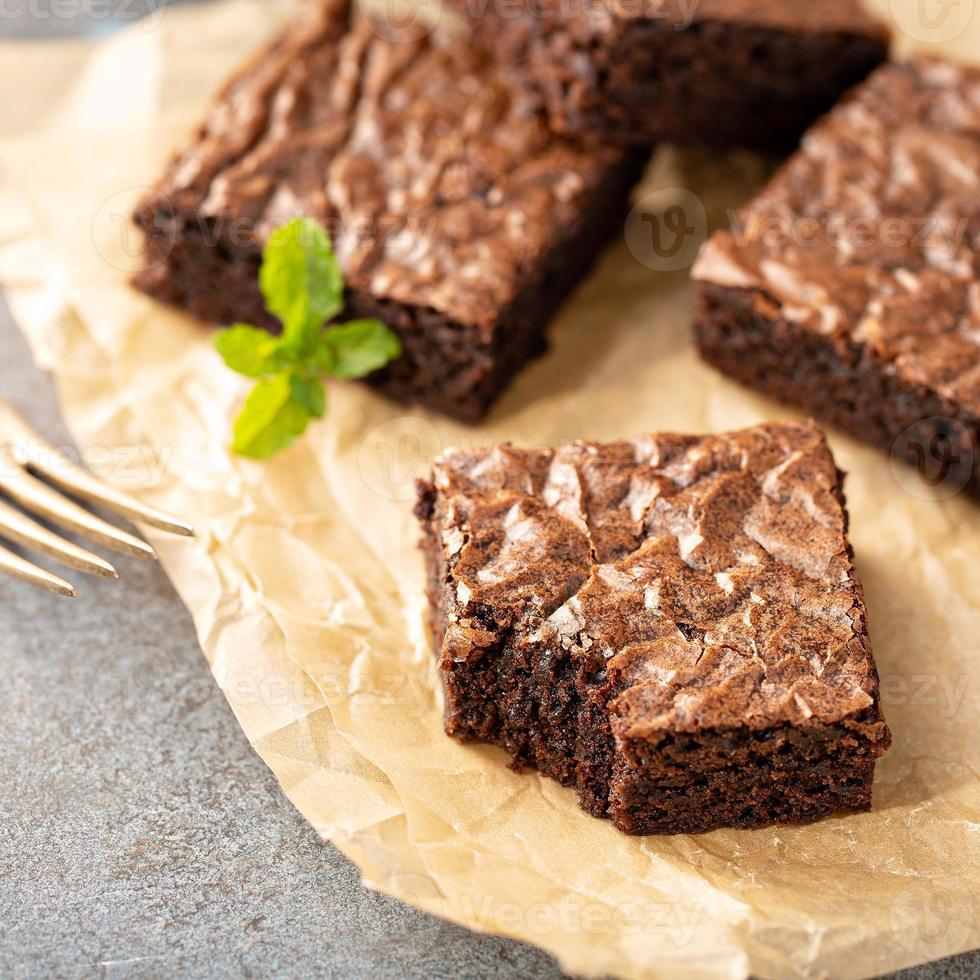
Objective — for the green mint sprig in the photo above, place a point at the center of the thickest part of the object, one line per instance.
(303, 287)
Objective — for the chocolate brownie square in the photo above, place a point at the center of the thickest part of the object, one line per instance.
(751, 73)
(672, 625)
(459, 218)
(851, 285)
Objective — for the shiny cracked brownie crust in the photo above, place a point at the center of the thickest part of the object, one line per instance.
(851, 285)
(458, 217)
(672, 624)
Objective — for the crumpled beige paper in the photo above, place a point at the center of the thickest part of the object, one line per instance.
(306, 586)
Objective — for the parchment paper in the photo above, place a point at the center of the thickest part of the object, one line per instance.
(306, 586)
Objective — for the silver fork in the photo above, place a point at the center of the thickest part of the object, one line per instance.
(25, 456)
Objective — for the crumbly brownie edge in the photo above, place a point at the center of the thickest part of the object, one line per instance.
(445, 365)
(552, 715)
(436, 573)
(740, 332)
(549, 716)
(752, 793)
(750, 778)
(550, 711)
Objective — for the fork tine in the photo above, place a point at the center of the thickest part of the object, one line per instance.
(18, 527)
(42, 457)
(15, 565)
(40, 499)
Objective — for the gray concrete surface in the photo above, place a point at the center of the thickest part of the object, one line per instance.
(140, 836)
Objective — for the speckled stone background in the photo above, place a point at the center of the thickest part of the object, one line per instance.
(140, 836)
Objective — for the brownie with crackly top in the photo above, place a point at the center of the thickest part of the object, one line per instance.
(460, 220)
(752, 73)
(851, 285)
(672, 624)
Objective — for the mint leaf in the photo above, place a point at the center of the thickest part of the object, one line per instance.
(300, 280)
(272, 418)
(310, 393)
(354, 349)
(249, 351)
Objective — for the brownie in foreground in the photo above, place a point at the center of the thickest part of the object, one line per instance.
(851, 285)
(750, 73)
(672, 624)
(459, 219)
